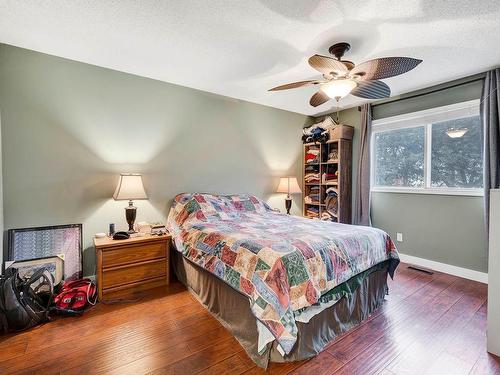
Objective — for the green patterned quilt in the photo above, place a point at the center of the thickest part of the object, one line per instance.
(283, 263)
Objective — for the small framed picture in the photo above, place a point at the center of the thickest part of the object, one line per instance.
(26, 268)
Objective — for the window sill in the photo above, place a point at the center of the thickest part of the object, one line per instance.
(462, 192)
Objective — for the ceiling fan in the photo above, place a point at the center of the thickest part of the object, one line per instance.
(343, 77)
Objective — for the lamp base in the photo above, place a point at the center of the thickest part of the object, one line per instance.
(288, 204)
(130, 215)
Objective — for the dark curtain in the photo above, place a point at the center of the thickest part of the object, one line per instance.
(490, 109)
(362, 197)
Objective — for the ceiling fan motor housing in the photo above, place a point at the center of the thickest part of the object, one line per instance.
(339, 49)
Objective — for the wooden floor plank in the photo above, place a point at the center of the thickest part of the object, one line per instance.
(324, 363)
(458, 358)
(358, 340)
(486, 364)
(108, 342)
(432, 342)
(397, 337)
(234, 365)
(429, 324)
(275, 369)
(198, 361)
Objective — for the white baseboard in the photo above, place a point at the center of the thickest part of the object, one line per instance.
(466, 273)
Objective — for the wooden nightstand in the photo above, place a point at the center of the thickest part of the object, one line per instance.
(128, 266)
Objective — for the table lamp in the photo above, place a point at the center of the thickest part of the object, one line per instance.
(130, 188)
(288, 185)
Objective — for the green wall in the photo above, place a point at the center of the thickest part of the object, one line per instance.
(443, 228)
(69, 129)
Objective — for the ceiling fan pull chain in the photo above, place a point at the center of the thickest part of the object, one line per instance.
(338, 111)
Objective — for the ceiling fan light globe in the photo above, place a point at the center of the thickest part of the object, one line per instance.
(338, 88)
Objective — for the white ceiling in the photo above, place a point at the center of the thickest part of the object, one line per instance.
(241, 48)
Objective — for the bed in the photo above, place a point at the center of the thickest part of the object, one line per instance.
(284, 286)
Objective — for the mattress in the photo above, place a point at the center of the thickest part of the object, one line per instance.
(285, 265)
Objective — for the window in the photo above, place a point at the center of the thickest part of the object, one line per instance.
(435, 151)
(400, 157)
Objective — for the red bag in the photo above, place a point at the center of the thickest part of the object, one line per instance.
(76, 296)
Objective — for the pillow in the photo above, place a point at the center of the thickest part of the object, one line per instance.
(207, 207)
(189, 206)
(248, 203)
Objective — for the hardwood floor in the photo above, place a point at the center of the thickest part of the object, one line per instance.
(430, 324)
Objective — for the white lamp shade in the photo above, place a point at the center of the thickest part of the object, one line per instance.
(288, 185)
(130, 187)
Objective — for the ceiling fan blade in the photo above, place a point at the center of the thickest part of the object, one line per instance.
(371, 90)
(319, 98)
(385, 67)
(326, 65)
(294, 85)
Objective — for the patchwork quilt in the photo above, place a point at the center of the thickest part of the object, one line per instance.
(283, 263)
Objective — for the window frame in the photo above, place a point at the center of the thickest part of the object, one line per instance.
(423, 118)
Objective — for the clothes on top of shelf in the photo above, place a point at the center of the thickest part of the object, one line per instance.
(311, 168)
(318, 132)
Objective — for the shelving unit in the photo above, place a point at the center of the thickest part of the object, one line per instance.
(334, 172)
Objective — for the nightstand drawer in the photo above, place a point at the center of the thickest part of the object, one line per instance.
(133, 273)
(133, 254)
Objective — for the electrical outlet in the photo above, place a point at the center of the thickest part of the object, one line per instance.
(399, 237)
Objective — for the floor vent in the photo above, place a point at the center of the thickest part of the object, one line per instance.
(419, 269)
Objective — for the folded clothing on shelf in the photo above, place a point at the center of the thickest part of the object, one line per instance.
(333, 156)
(311, 178)
(312, 174)
(312, 212)
(331, 202)
(325, 216)
(329, 177)
(312, 155)
(311, 198)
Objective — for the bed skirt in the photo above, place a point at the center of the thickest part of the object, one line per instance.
(232, 309)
